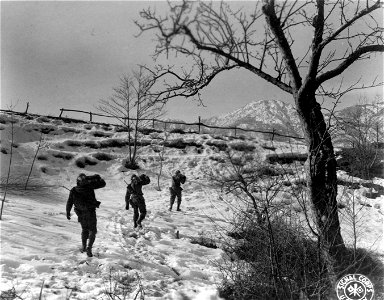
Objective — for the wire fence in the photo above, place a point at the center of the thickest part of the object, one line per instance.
(197, 127)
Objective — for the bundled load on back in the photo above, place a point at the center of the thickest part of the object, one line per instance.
(91, 181)
(144, 179)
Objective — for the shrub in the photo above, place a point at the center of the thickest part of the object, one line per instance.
(364, 164)
(219, 159)
(106, 127)
(84, 161)
(147, 131)
(122, 129)
(70, 129)
(63, 155)
(45, 129)
(270, 262)
(244, 147)
(100, 134)
(43, 119)
(266, 147)
(4, 150)
(349, 184)
(73, 143)
(92, 144)
(205, 241)
(42, 157)
(177, 130)
(286, 158)
(113, 143)
(103, 156)
(222, 146)
(132, 165)
(178, 144)
(88, 126)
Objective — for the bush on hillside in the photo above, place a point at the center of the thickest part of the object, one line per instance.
(177, 130)
(204, 240)
(131, 165)
(63, 155)
(363, 164)
(70, 129)
(84, 161)
(102, 156)
(43, 119)
(92, 144)
(221, 145)
(73, 143)
(42, 157)
(243, 147)
(177, 143)
(286, 158)
(100, 134)
(147, 131)
(274, 261)
(113, 143)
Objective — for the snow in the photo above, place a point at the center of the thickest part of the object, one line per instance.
(40, 247)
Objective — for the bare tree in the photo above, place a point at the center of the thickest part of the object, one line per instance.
(12, 143)
(213, 38)
(360, 131)
(159, 148)
(133, 107)
(39, 146)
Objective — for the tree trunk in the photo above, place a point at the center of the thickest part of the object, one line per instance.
(321, 181)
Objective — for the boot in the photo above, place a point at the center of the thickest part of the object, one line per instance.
(84, 238)
(92, 237)
(89, 252)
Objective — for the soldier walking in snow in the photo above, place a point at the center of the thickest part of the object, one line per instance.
(82, 197)
(135, 198)
(176, 189)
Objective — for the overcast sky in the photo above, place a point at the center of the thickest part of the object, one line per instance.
(71, 54)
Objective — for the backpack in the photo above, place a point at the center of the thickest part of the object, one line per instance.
(144, 179)
(183, 178)
(93, 181)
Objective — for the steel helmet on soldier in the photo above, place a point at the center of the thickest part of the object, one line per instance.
(80, 178)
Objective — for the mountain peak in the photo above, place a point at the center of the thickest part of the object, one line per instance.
(262, 115)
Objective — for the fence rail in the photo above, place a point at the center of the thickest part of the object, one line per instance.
(199, 124)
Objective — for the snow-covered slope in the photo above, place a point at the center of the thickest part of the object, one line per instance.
(40, 247)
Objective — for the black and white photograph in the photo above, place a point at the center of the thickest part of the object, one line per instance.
(192, 150)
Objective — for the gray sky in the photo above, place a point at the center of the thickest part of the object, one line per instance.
(71, 54)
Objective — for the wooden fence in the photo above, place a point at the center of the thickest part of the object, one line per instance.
(198, 124)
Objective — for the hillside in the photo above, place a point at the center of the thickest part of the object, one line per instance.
(169, 259)
(262, 115)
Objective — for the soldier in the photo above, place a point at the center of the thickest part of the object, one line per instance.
(176, 189)
(135, 198)
(82, 197)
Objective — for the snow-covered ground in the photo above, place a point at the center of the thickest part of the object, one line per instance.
(40, 247)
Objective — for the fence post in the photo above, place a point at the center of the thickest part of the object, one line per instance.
(199, 124)
(90, 116)
(26, 110)
(273, 134)
(165, 126)
(235, 131)
(153, 123)
(61, 112)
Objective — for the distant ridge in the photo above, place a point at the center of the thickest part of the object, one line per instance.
(262, 115)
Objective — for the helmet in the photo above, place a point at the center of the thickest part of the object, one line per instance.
(178, 172)
(134, 177)
(80, 178)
